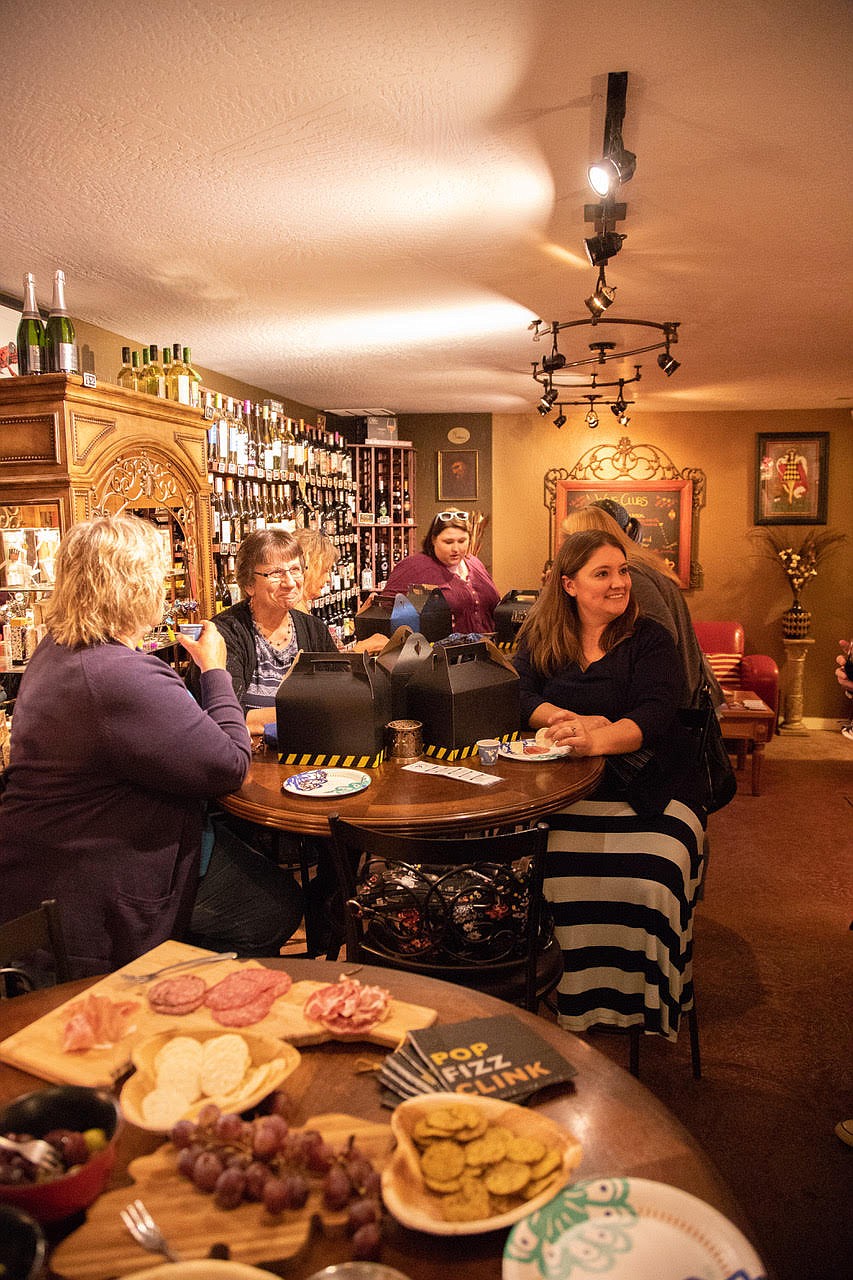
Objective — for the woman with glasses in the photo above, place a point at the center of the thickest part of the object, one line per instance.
(446, 561)
(266, 629)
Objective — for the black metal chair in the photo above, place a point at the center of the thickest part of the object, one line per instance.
(468, 910)
(36, 931)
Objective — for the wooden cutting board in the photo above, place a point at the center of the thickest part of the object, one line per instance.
(191, 1221)
(38, 1047)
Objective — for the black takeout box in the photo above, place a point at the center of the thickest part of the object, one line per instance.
(331, 709)
(465, 691)
(402, 656)
(422, 608)
(510, 612)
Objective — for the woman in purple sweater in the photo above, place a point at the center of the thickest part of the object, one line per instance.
(446, 562)
(112, 760)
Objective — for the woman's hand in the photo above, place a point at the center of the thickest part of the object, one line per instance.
(840, 673)
(208, 652)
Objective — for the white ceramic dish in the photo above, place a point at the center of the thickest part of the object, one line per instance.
(628, 1229)
(409, 1200)
(201, 1269)
(516, 751)
(326, 782)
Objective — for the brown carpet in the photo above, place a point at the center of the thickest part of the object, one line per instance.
(774, 984)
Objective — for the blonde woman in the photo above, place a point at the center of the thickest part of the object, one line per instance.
(320, 555)
(112, 760)
(654, 587)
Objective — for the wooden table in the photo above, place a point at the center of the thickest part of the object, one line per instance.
(416, 803)
(746, 725)
(624, 1130)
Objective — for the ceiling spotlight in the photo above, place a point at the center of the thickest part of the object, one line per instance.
(607, 174)
(546, 404)
(603, 297)
(668, 363)
(601, 248)
(618, 408)
(591, 418)
(555, 360)
(560, 420)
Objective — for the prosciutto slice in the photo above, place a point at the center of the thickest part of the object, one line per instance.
(347, 1008)
(96, 1022)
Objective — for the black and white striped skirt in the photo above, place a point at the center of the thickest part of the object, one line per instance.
(622, 891)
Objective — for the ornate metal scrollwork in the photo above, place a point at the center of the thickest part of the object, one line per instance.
(627, 464)
(135, 478)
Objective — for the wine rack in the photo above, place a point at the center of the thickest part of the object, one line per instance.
(269, 470)
(385, 486)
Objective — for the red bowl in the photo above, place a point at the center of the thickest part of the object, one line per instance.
(63, 1107)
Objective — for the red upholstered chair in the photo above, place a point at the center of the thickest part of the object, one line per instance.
(724, 646)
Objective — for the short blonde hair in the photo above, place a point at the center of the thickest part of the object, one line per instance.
(593, 517)
(319, 555)
(109, 581)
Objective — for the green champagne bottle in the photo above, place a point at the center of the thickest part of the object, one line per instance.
(155, 381)
(60, 337)
(32, 357)
(124, 377)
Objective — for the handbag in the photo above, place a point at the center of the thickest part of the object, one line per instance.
(641, 780)
(717, 777)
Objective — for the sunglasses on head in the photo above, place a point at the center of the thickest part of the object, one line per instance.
(445, 516)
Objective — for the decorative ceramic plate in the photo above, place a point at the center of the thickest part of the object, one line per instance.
(628, 1229)
(326, 782)
(528, 749)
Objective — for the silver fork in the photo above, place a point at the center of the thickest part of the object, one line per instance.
(133, 978)
(145, 1231)
(38, 1152)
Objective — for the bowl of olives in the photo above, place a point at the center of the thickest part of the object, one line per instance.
(82, 1125)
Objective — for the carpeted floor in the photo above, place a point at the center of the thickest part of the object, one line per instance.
(774, 982)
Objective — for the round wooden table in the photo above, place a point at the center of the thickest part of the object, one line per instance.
(622, 1127)
(417, 803)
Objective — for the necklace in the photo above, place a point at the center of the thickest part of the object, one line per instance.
(268, 632)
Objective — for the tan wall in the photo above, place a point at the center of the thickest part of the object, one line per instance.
(739, 582)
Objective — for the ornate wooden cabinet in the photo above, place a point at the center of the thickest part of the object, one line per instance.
(69, 452)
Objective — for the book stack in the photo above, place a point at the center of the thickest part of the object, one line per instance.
(484, 1057)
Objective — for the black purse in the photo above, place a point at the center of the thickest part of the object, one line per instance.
(717, 777)
(638, 777)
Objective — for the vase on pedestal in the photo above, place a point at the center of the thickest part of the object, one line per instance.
(796, 621)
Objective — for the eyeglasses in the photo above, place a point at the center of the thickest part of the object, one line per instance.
(445, 516)
(275, 576)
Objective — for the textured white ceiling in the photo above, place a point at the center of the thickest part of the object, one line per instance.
(361, 203)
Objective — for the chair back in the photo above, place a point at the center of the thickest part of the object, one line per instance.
(38, 930)
(468, 910)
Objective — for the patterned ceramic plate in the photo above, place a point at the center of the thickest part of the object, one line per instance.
(326, 782)
(628, 1229)
(529, 749)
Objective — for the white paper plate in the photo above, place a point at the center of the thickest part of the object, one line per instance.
(628, 1229)
(515, 751)
(326, 782)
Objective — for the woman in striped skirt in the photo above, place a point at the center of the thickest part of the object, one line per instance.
(623, 878)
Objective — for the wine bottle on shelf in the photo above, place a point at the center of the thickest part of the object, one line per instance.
(179, 380)
(155, 381)
(167, 372)
(135, 383)
(143, 372)
(124, 377)
(60, 342)
(194, 377)
(32, 356)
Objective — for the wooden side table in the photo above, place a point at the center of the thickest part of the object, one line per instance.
(745, 725)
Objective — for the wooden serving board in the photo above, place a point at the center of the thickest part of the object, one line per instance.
(38, 1047)
(191, 1221)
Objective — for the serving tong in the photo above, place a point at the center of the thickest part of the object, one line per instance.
(134, 978)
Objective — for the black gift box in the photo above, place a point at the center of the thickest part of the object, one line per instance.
(404, 653)
(331, 709)
(465, 692)
(422, 608)
(510, 612)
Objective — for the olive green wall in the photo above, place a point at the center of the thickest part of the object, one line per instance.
(428, 432)
(739, 582)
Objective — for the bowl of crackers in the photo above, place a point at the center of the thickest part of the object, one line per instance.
(464, 1165)
(178, 1073)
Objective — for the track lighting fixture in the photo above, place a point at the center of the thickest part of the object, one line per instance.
(555, 360)
(546, 404)
(598, 302)
(560, 420)
(602, 247)
(591, 418)
(607, 175)
(617, 164)
(668, 363)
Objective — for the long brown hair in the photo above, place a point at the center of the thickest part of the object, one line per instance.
(551, 632)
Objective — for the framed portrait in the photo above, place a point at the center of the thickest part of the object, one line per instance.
(458, 479)
(791, 477)
(663, 508)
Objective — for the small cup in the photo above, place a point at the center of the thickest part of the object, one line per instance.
(404, 740)
(487, 750)
(190, 629)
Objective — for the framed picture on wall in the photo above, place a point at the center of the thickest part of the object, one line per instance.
(663, 508)
(791, 477)
(458, 479)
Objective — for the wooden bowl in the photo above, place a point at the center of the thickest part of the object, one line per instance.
(415, 1206)
(271, 1062)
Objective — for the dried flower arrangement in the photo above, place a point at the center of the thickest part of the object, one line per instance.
(800, 563)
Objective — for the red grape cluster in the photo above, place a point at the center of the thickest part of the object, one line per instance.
(267, 1161)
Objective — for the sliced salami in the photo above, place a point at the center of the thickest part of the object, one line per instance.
(179, 995)
(347, 1008)
(246, 987)
(244, 1015)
